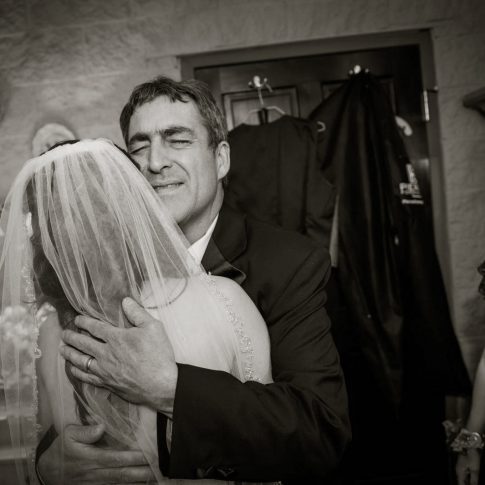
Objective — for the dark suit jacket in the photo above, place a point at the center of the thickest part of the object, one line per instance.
(276, 176)
(295, 428)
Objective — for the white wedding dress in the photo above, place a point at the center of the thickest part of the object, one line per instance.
(83, 229)
(245, 333)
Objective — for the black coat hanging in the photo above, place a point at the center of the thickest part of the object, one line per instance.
(386, 250)
(393, 329)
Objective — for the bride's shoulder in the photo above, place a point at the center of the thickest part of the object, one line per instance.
(229, 287)
(252, 324)
(239, 301)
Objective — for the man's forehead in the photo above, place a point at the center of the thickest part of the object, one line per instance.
(162, 113)
(163, 107)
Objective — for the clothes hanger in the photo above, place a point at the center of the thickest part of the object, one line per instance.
(277, 109)
(262, 111)
(404, 125)
(401, 122)
(321, 127)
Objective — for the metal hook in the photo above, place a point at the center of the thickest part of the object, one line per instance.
(356, 69)
(259, 85)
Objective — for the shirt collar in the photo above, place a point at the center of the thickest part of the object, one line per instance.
(197, 249)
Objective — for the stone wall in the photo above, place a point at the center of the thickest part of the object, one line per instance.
(75, 62)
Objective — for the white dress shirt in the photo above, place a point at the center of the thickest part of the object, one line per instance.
(197, 249)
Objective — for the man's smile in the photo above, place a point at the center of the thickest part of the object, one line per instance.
(167, 185)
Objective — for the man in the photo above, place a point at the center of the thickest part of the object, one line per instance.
(293, 429)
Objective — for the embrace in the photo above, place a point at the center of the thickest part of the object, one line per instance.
(151, 333)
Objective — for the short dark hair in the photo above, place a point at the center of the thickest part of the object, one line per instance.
(183, 91)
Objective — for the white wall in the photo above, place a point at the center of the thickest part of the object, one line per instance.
(76, 61)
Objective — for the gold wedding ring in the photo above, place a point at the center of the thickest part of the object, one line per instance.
(88, 363)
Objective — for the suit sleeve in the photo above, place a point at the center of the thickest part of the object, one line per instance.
(293, 428)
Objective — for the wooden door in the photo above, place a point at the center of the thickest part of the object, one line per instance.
(302, 74)
(298, 85)
(300, 77)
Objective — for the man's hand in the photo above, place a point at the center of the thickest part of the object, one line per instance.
(85, 463)
(135, 363)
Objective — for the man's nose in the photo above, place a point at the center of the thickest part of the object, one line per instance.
(159, 159)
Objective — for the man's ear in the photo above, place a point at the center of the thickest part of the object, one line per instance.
(223, 159)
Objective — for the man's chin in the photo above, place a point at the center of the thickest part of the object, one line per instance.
(176, 210)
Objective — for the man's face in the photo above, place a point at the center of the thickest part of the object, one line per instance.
(170, 143)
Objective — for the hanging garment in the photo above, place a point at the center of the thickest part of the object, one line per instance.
(275, 176)
(390, 314)
(386, 247)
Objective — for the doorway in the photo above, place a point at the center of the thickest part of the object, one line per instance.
(302, 74)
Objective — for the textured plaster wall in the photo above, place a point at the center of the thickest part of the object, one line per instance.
(75, 62)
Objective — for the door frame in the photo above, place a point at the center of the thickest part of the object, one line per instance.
(422, 38)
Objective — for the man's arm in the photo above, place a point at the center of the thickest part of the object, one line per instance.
(75, 458)
(294, 428)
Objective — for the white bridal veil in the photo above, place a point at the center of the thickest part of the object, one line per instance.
(82, 229)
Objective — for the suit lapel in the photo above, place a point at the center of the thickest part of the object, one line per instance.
(228, 241)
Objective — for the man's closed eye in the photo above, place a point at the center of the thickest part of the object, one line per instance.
(180, 142)
(138, 149)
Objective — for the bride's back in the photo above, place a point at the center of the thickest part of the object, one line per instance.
(99, 233)
(224, 332)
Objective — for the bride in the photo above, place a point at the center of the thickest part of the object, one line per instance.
(83, 229)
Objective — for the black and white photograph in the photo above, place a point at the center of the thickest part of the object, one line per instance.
(242, 242)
